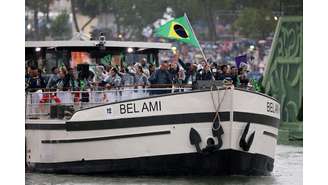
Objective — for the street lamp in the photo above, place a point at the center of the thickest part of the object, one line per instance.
(130, 50)
(29, 26)
(174, 49)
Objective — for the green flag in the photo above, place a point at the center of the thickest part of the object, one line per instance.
(178, 29)
(255, 85)
(106, 60)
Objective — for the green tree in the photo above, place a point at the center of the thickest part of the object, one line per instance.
(38, 6)
(255, 23)
(130, 16)
(201, 10)
(140, 14)
(60, 28)
(90, 8)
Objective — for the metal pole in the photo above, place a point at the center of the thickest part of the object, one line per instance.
(201, 49)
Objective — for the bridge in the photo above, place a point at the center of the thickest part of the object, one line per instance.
(283, 78)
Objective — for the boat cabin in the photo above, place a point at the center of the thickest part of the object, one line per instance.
(47, 54)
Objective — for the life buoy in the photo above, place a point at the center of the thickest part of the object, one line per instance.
(46, 98)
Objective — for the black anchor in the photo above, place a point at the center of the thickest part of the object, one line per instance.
(195, 139)
(245, 145)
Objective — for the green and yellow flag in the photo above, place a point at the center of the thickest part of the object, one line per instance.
(178, 29)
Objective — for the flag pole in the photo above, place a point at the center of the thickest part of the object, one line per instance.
(200, 47)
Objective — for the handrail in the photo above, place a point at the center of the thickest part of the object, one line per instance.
(111, 90)
(39, 103)
(152, 86)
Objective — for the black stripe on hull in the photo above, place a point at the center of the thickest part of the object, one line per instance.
(146, 121)
(45, 126)
(156, 121)
(221, 162)
(270, 134)
(256, 118)
(106, 138)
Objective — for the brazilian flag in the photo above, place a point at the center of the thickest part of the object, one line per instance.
(178, 29)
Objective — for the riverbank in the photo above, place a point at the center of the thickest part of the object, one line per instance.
(291, 133)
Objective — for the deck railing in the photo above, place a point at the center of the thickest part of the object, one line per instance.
(38, 103)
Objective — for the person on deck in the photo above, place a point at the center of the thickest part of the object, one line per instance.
(205, 73)
(223, 73)
(215, 71)
(127, 78)
(63, 81)
(145, 67)
(34, 80)
(161, 78)
(234, 76)
(72, 79)
(243, 77)
(140, 77)
(114, 79)
(174, 72)
(53, 78)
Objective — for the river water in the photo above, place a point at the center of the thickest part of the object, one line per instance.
(288, 170)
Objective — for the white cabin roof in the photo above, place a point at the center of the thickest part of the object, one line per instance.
(78, 43)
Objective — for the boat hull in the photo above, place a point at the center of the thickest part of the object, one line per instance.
(153, 136)
(220, 162)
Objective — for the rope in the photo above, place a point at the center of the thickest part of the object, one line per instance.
(217, 115)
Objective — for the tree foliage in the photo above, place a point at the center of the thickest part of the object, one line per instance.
(60, 27)
(36, 5)
(249, 17)
(255, 23)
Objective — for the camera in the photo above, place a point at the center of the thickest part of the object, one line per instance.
(102, 39)
(101, 42)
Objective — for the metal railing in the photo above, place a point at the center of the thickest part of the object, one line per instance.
(38, 103)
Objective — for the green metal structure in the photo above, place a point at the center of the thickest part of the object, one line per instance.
(283, 78)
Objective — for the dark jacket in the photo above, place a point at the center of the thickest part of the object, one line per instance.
(63, 84)
(34, 83)
(160, 77)
(203, 75)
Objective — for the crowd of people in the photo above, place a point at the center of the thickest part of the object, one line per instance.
(139, 75)
(224, 52)
(181, 68)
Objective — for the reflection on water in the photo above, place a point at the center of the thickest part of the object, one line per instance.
(288, 170)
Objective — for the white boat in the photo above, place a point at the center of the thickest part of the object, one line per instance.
(215, 131)
(175, 133)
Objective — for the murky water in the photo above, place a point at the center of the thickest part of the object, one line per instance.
(288, 170)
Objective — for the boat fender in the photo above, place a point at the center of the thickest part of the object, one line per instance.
(217, 131)
(245, 145)
(195, 139)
